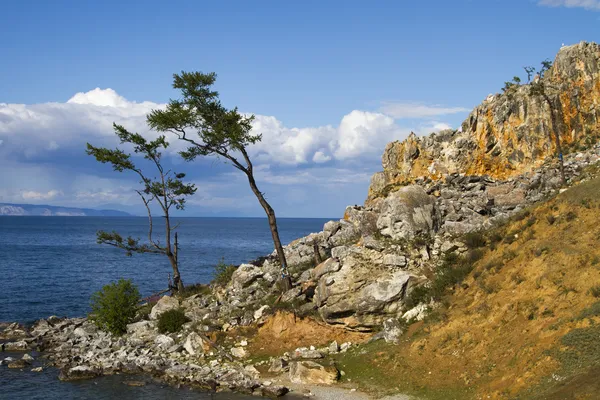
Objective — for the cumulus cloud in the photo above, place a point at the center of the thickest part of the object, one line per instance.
(42, 152)
(586, 4)
(416, 110)
(360, 134)
(34, 131)
(30, 131)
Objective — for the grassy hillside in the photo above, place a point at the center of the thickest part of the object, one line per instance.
(524, 323)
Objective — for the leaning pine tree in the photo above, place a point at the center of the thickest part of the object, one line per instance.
(210, 129)
(167, 190)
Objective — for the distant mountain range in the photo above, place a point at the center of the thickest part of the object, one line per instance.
(56, 211)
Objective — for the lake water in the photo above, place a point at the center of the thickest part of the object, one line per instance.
(51, 266)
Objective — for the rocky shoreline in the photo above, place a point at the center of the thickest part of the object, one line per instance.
(368, 263)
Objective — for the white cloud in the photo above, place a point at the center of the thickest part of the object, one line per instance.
(34, 130)
(416, 110)
(35, 196)
(360, 134)
(321, 157)
(586, 4)
(31, 131)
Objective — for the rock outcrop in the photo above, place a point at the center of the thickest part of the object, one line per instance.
(508, 134)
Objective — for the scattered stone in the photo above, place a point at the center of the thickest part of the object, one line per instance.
(27, 357)
(417, 313)
(79, 372)
(194, 344)
(278, 364)
(394, 260)
(7, 360)
(239, 352)
(305, 353)
(274, 391)
(258, 314)
(135, 383)
(18, 364)
(334, 347)
(15, 346)
(164, 341)
(310, 372)
(37, 369)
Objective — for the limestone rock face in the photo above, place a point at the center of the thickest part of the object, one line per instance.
(360, 294)
(406, 213)
(165, 303)
(509, 133)
(310, 372)
(244, 275)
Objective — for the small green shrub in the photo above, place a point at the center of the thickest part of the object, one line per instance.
(531, 221)
(192, 290)
(595, 291)
(521, 215)
(495, 237)
(474, 240)
(473, 256)
(571, 215)
(171, 321)
(509, 255)
(494, 264)
(115, 306)
(551, 219)
(143, 311)
(418, 295)
(591, 311)
(223, 273)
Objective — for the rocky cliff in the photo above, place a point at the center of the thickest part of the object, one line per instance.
(509, 133)
(359, 271)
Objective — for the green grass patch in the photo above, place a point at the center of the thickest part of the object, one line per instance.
(223, 273)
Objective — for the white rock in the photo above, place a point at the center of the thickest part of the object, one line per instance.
(194, 344)
(239, 352)
(258, 314)
(417, 313)
(164, 341)
(165, 303)
(394, 260)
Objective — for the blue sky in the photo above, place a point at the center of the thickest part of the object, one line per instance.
(330, 82)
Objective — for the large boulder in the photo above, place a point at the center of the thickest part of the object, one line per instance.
(79, 372)
(165, 303)
(310, 372)
(245, 275)
(195, 344)
(365, 220)
(21, 345)
(407, 212)
(347, 234)
(142, 329)
(361, 294)
(164, 342)
(14, 331)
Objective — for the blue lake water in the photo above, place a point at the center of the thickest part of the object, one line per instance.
(51, 266)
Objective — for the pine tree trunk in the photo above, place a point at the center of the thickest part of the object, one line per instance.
(172, 256)
(286, 281)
